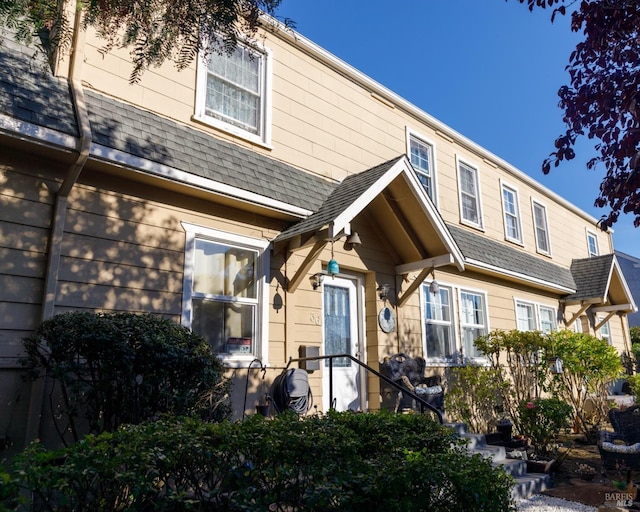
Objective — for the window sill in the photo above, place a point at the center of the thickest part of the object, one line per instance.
(232, 130)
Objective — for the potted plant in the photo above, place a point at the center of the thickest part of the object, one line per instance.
(586, 472)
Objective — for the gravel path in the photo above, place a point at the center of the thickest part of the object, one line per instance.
(541, 503)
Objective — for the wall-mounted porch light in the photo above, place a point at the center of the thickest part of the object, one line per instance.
(434, 287)
(316, 280)
(383, 291)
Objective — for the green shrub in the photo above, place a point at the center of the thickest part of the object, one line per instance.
(542, 420)
(590, 365)
(474, 396)
(116, 368)
(340, 461)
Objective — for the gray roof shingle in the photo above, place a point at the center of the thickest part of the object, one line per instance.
(121, 126)
(501, 256)
(30, 93)
(591, 276)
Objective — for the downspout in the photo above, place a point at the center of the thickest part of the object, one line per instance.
(58, 219)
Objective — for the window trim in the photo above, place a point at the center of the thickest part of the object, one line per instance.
(534, 203)
(592, 235)
(193, 232)
(517, 215)
(485, 302)
(456, 323)
(536, 312)
(464, 162)
(412, 134)
(263, 137)
(607, 326)
(554, 316)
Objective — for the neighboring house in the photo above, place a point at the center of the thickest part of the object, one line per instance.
(630, 266)
(221, 196)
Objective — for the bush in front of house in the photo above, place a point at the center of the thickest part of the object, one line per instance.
(109, 369)
(338, 461)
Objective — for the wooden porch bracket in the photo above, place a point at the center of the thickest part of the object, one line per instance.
(310, 259)
(577, 314)
(413, 286)
(604, 321)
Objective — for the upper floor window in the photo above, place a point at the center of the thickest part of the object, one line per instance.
(223, 297)
(233, 92)
(541, 228)
(592, 244)
(473, 320)
(421, 155)
(511, 209)
(469, 194)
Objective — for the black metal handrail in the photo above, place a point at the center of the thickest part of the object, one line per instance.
(423, 404)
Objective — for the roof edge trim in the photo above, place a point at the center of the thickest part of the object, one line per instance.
(28, 131)
(106, 154)
(518, 276)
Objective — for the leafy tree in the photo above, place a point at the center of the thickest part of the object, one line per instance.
(602, 100)
(175, 30)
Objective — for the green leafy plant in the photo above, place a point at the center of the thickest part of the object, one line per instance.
(339, 461)
(474, 396)
(589, 366)
(517, 358)
(113, 368)
(542, 420)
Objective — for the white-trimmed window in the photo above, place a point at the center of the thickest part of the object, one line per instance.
(224, 292)
(541, 227)
(605, 332)
(234, 92)
(548, 320)
(511, 210)
(473, 321)
(447, 312)
(469, 194)
(438, 320)
(525, 316)
(421, 156)
(532, 317)
(592, 244)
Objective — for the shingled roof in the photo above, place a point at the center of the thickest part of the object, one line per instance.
(592, 277)
(29, 93)
(499, 256)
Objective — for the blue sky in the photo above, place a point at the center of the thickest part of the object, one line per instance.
(489, 69)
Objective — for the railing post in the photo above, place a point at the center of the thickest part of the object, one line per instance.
(330, 382)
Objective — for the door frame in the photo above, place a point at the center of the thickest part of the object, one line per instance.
(361, 340)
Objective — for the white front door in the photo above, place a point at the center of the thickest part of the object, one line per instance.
(342, 335)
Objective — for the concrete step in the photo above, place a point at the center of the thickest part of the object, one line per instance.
(526, 484)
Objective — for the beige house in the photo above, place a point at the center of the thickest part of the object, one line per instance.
(225, 196)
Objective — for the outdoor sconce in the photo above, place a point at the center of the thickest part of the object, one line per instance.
(316, 280)
(353, 240)
(434, 287)
(383, 291)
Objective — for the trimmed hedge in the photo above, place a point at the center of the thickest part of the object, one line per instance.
(339, 461)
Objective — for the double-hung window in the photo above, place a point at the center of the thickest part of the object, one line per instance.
(224, 286)
(438, 323)
(541, 228)
(548, 321)
(233, 92)
(605, 333)
(511, 209)
(450, 311)
(525, 316)
(592, 244)
(531, 317)
(422, 159)
(469, 194)
(473, 321)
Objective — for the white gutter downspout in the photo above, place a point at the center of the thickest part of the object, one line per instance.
(58, 221)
